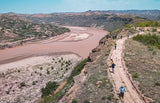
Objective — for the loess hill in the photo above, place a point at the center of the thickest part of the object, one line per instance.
(13, 28)
(105, 21)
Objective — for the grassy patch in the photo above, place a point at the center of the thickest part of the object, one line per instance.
(148, 39)
(77, 70)
(157, 84)
(74, 101)
(57, 96)
(135, 75)
(154, 52)
(144, 66)
(34, 83)
(50, 87)
(86, 101)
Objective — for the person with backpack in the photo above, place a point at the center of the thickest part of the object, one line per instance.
(113, 66)
(115, 45)
(122, 90)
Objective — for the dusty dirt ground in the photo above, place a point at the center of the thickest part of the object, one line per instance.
(35, 72)
(79, 44)
(147, 68)
(121, 76)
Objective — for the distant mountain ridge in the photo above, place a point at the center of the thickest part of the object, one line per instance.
(13, 27)
(149, 14)
(108, 20)
(105, 21)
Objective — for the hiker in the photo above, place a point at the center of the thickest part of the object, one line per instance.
(111, 62)
(107, 36)
(121, 36)
(115, 45)
(113, 65)
(128, 35)
(115, 36)
(104, 42)
(122, 90)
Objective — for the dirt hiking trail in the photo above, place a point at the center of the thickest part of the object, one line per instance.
(121, 76)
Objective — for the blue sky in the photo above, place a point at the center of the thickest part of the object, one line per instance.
(50, 6)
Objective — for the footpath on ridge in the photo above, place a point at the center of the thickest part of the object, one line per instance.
(121, 76)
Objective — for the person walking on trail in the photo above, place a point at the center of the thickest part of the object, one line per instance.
(107, 36)
(104, 42)
(115, 36)
(115, 45)
(113, 66)
(128, 35)
(122, 90)
(121, 36)
(111, 62)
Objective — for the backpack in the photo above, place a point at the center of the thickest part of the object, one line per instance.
(122, 89)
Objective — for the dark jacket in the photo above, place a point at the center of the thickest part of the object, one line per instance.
(113, 65)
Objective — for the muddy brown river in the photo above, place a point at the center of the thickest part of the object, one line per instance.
(57, 45)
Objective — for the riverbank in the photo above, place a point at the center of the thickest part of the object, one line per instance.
(21, 81)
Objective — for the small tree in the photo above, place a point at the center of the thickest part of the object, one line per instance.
(22, 84)
(50, 87)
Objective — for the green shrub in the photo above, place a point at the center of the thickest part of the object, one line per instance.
(154, 30)
(147, 24)
(19, 71)
(158, 46)
(109, 97)
(41, 68)
(48, 72)
(22, 84)
(148, 39)
(74, 101)
(135, 75)
(77, 70)
(86, 101)
(50, 87)
(103, 98)
(150, 48)
(128, 26)
(154, 53)
(157, 84)
(34, 83)
(7, 92)
(52, 67)
(57, 96)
